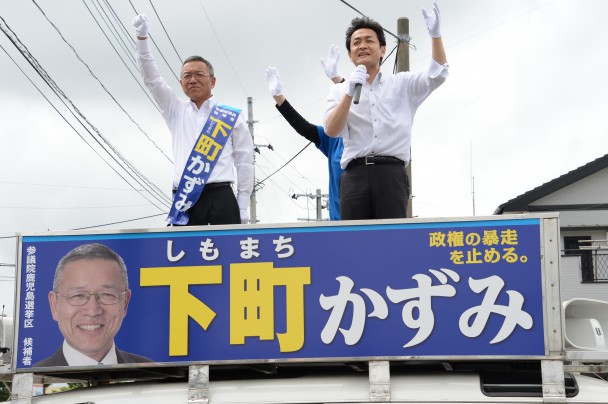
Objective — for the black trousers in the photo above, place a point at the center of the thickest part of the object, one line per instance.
(377, 191)
(216, 205)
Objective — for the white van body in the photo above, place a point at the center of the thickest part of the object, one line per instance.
(427, 387)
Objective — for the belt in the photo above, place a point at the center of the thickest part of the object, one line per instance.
(369, 160)
(212, 185)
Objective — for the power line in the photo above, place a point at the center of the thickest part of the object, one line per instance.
(290, 192)
(128, 34)
(72, 207)
(131, 171)
(302, 176)
(289, 161)
(166, 33)
(104, 224)
(283, 192)
(222, 47)
(62, 116)
(157, 47)
(385, 30)
(120, 222)
(37, 184)
(119, 38)
(99, 81)
(132, 58)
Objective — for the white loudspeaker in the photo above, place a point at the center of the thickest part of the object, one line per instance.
(6, 339)
(586, 324)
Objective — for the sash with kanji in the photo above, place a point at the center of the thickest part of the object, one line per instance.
(200, 164)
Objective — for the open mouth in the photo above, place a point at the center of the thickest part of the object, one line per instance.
(90, 327)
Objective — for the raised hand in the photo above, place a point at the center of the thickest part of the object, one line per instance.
(331, 66)
(433, 21)
(275, 85)
(141, 24)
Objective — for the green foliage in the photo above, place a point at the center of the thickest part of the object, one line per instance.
(5, 393)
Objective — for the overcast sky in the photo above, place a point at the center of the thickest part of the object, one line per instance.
(525, 102)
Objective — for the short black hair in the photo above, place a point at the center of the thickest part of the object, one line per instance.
(365, 22)
(197, 58)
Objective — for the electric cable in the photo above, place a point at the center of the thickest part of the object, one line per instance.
(69, 124)
(120, 222)
(152, 189)
(166, 33)
(385, 30)
(157, 47)
(121, 59)
(113, 31)
(127, 33)
(102, 225)
(217, 37)
(289, 161)
(100, 83)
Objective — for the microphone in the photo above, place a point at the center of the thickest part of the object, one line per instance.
(357, 93)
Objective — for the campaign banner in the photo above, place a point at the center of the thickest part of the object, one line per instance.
(203, 158)
(308, 292)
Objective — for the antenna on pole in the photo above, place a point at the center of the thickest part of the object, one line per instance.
(318, 196)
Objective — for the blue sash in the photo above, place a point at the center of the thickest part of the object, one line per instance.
(200, 164)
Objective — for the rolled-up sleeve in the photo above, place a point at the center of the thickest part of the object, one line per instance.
(423, 83)
(333, 99)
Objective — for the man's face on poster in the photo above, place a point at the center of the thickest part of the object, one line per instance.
(82, 305)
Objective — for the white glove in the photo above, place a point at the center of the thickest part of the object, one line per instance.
(141, 24)
(331, 66)
(244, 216)
(275, 85)
(358, 76)
(433, 21)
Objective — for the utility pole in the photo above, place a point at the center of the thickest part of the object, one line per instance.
(319, 205)
(319, 197)
(472, 180)
(403, 65)
(252, 203)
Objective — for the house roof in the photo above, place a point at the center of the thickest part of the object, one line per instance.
(521, 203)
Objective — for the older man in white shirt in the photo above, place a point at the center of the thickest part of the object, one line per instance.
(185, 118)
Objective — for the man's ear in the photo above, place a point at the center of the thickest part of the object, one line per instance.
(383, 50)
(126, 302)
(53, 304)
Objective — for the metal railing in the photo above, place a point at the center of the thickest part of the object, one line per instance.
(600, 265)
(593, 263)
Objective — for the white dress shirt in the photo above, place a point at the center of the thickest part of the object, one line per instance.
(76, 358)
(381, 124)
(185, 122)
